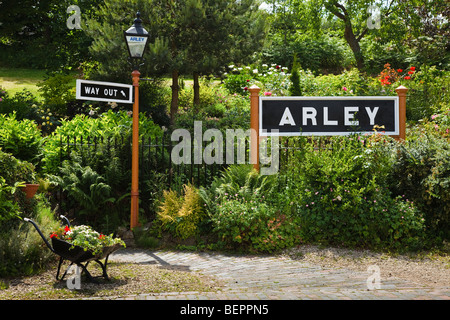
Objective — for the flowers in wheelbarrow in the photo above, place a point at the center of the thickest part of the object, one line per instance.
(86, 237)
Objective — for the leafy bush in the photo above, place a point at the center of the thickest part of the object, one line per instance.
(108, 125)
(9, 208)
(57, 89)
(252, 224)
(21, 248)
(422, 174)
(23, 104)
(181, 215)
(238, 203)
(341, 201)
(14, 170)
(21, 138)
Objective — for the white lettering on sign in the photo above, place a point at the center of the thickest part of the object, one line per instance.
(372, 114)
(91, 90)
(326, 121)
(110, 92)
(309, 113)
(287, 118)
(309, 116)
(349, 117)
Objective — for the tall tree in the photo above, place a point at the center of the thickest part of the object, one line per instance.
(219, 32)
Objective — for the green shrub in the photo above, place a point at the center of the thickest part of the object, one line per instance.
(23, 104)
(9, 208)
(251, 223)
(14, 170)
(21, 138)
(21, 248)
(242, 213)
(422, 174)
(57, 89)
(109, 125)
(341, 201)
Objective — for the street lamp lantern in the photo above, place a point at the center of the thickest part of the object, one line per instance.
(136, 38)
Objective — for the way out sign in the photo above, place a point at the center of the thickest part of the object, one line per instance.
(327, 116)
(104, 91)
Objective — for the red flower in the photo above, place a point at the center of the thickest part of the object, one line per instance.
(245, 88)
(412, 68)
(248, 80)
(101, 236)
(407, 77)
(399, 70)
(278, 67)
(410, 72)
(53, 235)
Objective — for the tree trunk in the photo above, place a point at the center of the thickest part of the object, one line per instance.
(175, 90)
(196, 90)
(353, 42)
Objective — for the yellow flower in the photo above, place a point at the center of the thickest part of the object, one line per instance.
(43, 117)
(43, 123)
(48, 118)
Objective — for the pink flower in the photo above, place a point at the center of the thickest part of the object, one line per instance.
(344, 88)
(267, 93)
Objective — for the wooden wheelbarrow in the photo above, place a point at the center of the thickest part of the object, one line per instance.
(76, 254)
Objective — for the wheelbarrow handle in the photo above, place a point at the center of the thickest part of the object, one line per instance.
(65, 219)
(40, 233)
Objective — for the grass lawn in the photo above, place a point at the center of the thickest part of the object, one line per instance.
(14, 80)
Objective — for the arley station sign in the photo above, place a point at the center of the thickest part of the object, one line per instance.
(104, 91)
(327, 116)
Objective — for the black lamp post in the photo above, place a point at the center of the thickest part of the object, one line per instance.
(136, 38)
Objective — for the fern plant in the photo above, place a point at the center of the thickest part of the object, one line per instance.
(239, 180)
(181, 215)
(85, 187)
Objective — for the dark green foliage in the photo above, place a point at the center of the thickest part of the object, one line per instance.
(23, 104)
(295, 88)
(422, 174)
(341, 201)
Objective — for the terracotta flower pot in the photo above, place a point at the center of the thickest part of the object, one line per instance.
(30, 190)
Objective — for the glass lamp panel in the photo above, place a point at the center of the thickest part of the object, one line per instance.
(136, 45)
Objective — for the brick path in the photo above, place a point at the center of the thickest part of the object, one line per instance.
(274, 278)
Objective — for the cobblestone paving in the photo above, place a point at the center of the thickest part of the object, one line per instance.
(274, 278)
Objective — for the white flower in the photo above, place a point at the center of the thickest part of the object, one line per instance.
(255, 70)
(231, 66)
